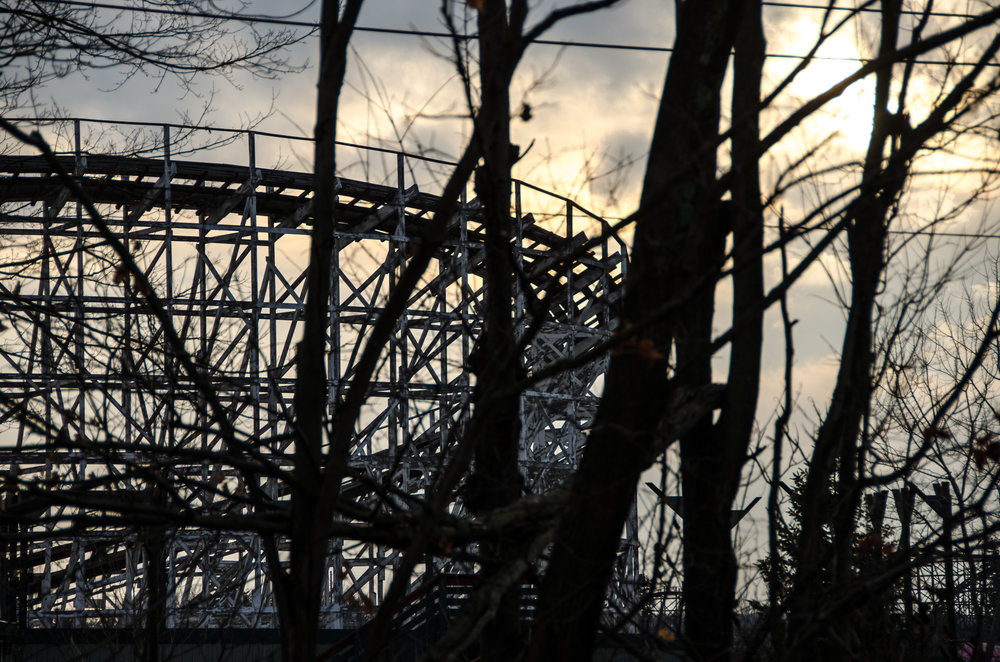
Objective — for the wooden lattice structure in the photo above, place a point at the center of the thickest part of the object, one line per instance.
(224, 246)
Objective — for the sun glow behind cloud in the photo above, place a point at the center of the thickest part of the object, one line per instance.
(849, 116)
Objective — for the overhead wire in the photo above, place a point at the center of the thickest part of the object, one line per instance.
(437, 34)
(865, 10)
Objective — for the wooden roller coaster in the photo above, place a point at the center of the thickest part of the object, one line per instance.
(223, 246)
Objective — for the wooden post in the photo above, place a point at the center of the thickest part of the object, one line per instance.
(942, 491)
(903, 498)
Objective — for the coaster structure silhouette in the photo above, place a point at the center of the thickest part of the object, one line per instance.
(94, 401)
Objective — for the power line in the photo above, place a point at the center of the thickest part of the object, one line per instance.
(867, 10)
(312, 25)
(905, 233)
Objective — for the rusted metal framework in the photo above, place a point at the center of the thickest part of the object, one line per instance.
(93, 397)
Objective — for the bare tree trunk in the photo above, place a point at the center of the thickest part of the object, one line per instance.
(495, 480)
(712, 456)
(669, 296)
(618, 449)
(155, 550)
(836, 446)
(298, 590)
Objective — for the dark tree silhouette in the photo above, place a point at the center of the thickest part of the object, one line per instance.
(701, 231)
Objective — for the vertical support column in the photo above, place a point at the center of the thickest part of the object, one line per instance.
(261, 580)
(79, 619)
(39, 371)
(605, 279)
(623, 251)
(157, 578)
(79, 412)
(522, 323)
(201, 288)
(942, 491)
(47, 370)
(78, 409)
(572, 376)
(403, 377)
(22, 579)
(333, 367)
(567, 255)
(875, 505)
(940, 503)
(168, 293)
(255, 285)
(170, 605)
(12, 575)
(200, 300)
(127, 366)
(463, 306)
(903, 499)
(257, 290)
(273, 369)
(166, 575)
(334, 380)
(128, 596)
(395, 259)
(399, 374)
(445, 401)
(630, 573)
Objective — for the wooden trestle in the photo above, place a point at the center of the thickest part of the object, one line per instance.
(225, 249)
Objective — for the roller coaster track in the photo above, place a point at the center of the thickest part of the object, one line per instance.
(223, 246)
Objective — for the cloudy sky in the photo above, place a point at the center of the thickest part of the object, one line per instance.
(592, 108)
(592, 116)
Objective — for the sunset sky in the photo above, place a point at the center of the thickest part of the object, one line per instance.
(592, 113)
